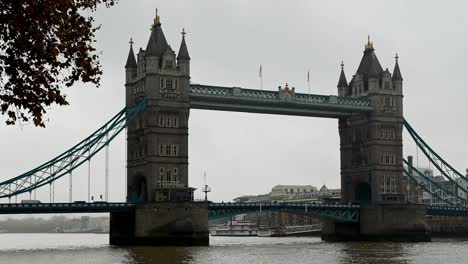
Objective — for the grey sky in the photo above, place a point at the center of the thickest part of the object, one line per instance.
(227, 41)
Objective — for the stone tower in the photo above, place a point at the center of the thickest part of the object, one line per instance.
(371, 143)
(157, 150)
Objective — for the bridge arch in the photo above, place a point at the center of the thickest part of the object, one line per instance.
(139, 190)
(363, 193)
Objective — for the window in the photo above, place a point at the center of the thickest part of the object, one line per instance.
(168, 175)
(388, 184)
(387, 158)
(175, 174)
(168, 84)
(169, 64)
(168, 121)
(162, 83)
(161, 174)
(162, 149)
(174, 150)
(387, 101)
(387, 86)
(168, 150)
(387, 134)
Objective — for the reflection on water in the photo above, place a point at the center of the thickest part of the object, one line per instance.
(92, 248)
(367, 252)
(143, 255)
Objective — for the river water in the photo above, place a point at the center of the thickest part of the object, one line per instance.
(94, 248)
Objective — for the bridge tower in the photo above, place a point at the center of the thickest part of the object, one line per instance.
(371, 143)
(157, 150)
(372, 160)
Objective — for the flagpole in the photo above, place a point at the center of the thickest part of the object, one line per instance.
(308, 81)
(261, 82)
(261, 77)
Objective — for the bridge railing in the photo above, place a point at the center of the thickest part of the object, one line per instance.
(197, 90)
(344, 212)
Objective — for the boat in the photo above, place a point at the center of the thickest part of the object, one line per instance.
(283, 231)
(235, 228)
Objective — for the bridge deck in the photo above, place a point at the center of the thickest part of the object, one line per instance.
(274, 102)
(343, 211)
(51, 208)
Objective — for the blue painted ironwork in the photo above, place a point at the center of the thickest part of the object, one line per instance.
(447, 211)
(432, 187)
(448, 171)
(274, 102)
(52, 208)
(344, 212)
(72, 158)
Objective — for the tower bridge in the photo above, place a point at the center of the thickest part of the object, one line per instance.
(159, 207)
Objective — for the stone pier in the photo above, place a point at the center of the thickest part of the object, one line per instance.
(386, 222)
(161, 224)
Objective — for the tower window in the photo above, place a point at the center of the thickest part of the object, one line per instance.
(168, 150)
(168, 175)
(169, 64)
(168, 121)
(174, 150)
(162, 149)
(168, 84)
(161, 120)
(388, 158)
(175, 175)
(388, 184)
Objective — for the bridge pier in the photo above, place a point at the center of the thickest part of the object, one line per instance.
(386, 222)
(161, 224)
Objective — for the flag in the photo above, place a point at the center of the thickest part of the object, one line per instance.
(308, 76)
(260, 72)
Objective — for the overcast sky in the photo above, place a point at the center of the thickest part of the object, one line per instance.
(228, 40)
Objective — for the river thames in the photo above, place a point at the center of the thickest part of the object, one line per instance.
(94, 248)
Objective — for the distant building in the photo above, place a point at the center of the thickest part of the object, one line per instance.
(243, 199)
(416, 194)
(295, 194)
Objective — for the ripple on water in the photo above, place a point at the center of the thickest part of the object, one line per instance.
(94, 248)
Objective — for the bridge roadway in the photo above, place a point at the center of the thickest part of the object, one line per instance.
(345, 212)
(281, 102)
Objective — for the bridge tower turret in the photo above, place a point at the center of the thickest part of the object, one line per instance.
(157, 151)
(131, 65)
(343, 87)
(371, 143)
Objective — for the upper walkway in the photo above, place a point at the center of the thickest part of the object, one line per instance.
(281, 102)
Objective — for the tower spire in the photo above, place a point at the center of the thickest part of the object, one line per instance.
(131, 61)
(183, 51)
(157, 43)
(342, 81)
(156, 20)
(369, 45)
(396, 76)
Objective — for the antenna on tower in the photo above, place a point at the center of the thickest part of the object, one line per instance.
(206, 189)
